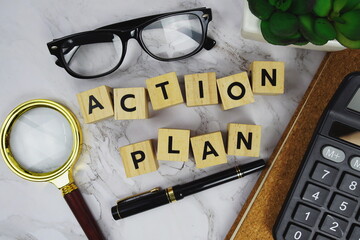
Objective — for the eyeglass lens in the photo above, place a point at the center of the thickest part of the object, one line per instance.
(173, 36)
(93, 53)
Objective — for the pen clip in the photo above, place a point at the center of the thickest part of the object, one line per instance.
(151, 191)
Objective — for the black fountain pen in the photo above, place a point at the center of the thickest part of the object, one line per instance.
(158, 197)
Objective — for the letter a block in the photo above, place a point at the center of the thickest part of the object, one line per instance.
(235, 91)
(208, 150)
(130, 103)
(164, 91)
(96, 104)
(138, 158)
(267, 77)
(201, 89)
(244, 140)
(173, 144)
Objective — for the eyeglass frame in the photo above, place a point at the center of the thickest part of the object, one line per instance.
(126, 30)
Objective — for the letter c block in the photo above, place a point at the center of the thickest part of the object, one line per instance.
(208, 150)
(164, 91)
(131, 103)
(138, 158)
(96, 104)
(235, 90)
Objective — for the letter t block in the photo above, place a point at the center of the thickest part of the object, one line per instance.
(164, 91)
(96, 104)
(138, 158)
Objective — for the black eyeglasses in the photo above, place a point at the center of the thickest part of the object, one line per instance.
(166, 37)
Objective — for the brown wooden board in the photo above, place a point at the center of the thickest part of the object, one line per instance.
(259, 213)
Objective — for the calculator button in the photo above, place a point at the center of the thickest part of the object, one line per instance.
(315, 194)
(306, 215)
(334, 226)
(355, 233)
(333, 154)
(343, 205)
(324, 174)
(350, 184)
(355, 163)
(297, 233)
(321, 237)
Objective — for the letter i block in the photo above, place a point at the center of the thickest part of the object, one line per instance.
(201, 89)
(164, 91)
(130, 103)
(235, 91)
(173, 144)
(267, 77)
(244, 140)
(138, 158)
(96, 104)
(208, 150)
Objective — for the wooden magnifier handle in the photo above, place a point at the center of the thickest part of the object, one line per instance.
(81, 211)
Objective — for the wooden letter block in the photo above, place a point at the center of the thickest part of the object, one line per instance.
(208, 150)
(164, 91)
(130, 103)
(235, 91)
(267, 77)
(201, 89)
(138, 158)
(244, 140)
(173, 144)
(96, 104)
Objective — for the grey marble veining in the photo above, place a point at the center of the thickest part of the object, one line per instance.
(34, 211)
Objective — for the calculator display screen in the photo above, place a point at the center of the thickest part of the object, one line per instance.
(345, 133)
(355, 102)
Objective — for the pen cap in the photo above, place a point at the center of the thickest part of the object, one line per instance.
(251, 167)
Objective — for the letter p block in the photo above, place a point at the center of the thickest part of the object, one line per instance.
(138, 158)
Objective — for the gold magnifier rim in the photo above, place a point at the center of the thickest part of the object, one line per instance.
(5, 140)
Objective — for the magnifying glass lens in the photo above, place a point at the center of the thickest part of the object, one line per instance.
(41, 140)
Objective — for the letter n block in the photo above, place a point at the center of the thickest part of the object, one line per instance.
(208, 150)
(138, 158)
(201, 89)
(173, 144)
(164, 91)
(131, 103)
(267, 77)
(244, 140)
(235, 90)
(96, 104)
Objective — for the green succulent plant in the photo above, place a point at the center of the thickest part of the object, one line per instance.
(285, 22)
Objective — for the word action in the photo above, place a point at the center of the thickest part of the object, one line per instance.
(164, 91)
(208, 149)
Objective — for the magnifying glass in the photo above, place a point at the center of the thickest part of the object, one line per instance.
(40, 142)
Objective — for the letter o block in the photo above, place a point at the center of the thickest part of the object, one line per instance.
(208, 150)
(164, 91)
(267, 77)
(96, 104)
(138, 158)
(235, 91)
(244, 140)
(131, 103)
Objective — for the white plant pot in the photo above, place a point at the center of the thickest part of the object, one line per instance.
(251, 30)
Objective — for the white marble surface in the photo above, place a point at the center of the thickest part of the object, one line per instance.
(32, 211)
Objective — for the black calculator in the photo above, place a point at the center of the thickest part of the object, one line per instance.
(324, 200)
